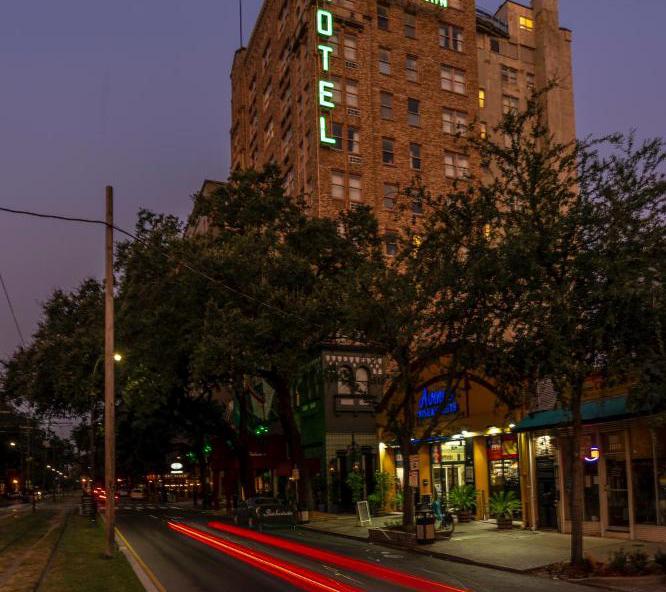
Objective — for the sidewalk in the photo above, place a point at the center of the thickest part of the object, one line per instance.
(480, 543)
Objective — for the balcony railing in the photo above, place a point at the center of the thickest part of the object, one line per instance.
(490, 21)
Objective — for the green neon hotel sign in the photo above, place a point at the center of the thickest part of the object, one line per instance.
(325, 29)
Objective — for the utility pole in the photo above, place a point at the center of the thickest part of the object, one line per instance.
(109, 388)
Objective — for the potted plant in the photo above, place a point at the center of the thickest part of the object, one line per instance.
(462, 500)
(502, 505)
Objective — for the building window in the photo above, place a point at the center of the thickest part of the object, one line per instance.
(350, 48)
(451, 37)
(337, 90)
(337, 135)
(454, 122)
(413, 112)
(415, 156)
(383, 16)
(355, 188)
(353, 140)
(391, 245)
(282, 19)
(390, 193)
(267, 95)
(417, 208)
(384, 61)
(411, 68)
(509, 75)
(387, 151)
(483, 131)
(529, 80)
(266, 57)
(386, 101)
(526, 23)
(334, 42)
(509, 104)
(351, 93)
(337, 185)
(456, 165)
(410, 25)
(268, 132)
(482, 98)
(453, 79)
(494, 45)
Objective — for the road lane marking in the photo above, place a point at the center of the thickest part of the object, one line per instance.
(149, 572)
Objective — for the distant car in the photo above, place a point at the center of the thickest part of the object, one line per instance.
(138, 493)
(264, 511)
(123, 492)
(101, 496)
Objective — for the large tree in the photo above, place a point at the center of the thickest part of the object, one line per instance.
(580, 228)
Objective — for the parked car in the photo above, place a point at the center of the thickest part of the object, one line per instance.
(264, 511)
(138, 493)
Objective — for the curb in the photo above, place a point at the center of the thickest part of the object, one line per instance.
(145, 575)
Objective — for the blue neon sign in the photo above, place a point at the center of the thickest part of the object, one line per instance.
(434, 403)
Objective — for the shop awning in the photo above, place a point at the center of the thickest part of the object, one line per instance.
(592, 412)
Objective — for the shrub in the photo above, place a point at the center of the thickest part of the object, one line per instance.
(618, 561)
(355, 483)
(375, 503)
(660, 559)
(503, 504)
(638, 561)
(462, 498)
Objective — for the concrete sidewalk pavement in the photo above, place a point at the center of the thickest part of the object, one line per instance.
(480, 543)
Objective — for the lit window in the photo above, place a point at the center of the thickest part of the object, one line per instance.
(509, 104)
(411, 71)
(384, 61)
(353, 140)
(454, 122)
(355, 188)
(386, 101)
(351, 93)
(482, 98)
(453, 79)
(350, 48)
(337, 185)
(391, 245)
(362, 379)
(390, 192)
(337, 90)
(483, 130)
(383, 16)
(526, 23)
(413, 112)
(387, 151)
(415, 156)
(410, 25)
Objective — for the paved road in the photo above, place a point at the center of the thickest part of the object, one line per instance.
(184, 565)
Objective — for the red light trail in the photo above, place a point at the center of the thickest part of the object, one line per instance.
(302, 578)
(357, 565)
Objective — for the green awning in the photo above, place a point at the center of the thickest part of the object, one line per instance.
(592, 412)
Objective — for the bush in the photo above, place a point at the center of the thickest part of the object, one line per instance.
(355, 483)
(638, 561)
(375, 503)
(462, 498)
(660, 559)
(618, 561)
(503, 504)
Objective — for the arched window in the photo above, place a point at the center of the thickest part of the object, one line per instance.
(362, 378)
(344, 380)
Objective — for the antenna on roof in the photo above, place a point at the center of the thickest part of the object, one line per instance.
(240, 20)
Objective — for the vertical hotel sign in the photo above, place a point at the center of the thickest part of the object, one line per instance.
(325, 30)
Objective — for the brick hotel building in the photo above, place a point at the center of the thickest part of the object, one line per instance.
(354, 106)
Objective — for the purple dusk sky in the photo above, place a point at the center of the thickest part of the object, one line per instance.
(136, 94)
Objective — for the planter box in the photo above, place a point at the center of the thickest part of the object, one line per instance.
(392, 537)
(504, 523)
(464, 516)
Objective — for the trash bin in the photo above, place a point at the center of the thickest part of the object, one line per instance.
(425, 526)
(88, 506)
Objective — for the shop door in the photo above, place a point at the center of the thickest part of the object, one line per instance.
(618, 492)
(547, 492)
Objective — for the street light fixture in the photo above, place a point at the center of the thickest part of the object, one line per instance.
(12, 444)
(118, 357)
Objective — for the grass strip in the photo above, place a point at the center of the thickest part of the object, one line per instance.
(79, 563)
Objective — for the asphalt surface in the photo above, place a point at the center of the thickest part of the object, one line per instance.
(185, 565)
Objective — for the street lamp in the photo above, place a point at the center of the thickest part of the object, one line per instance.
(118, 357)
(12, 444)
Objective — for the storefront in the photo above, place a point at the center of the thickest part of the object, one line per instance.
(473, 445)
(624, 471)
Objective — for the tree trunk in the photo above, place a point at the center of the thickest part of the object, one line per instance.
(576, 472)
(293, 434)
(93, 446)
(246, 473)
(203, 481)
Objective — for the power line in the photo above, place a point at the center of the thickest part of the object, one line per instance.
(203, 274)
(11, 310)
